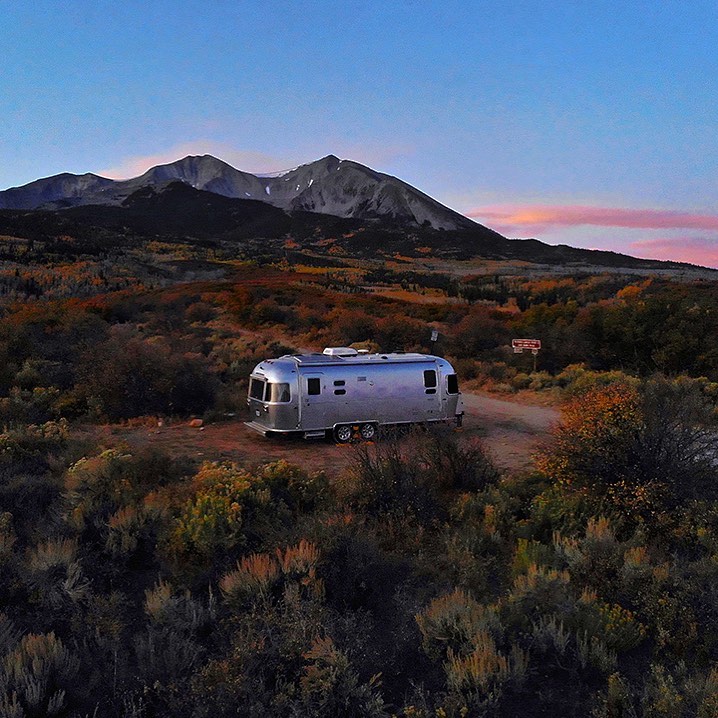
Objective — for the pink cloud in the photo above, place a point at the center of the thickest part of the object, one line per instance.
(696, 250)
(247, 160)
(534, 219)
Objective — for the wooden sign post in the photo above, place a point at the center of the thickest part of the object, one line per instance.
(534, 345)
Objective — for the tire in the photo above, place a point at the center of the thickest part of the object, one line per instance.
(368, 432)
(343, 434)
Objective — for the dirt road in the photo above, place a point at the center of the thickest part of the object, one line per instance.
(510, 430)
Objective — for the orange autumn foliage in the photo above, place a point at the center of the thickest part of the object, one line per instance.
(594, 439)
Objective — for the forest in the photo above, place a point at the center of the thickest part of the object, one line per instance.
(421, 582)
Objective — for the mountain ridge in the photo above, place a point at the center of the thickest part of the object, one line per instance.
(394, 213)
(176, 212)
(359, 191)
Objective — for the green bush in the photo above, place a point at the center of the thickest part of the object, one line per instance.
(28, 448)
(29, 407)
(232, 508)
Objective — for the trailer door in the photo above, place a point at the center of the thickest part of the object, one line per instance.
(432, 401)
(314, 401)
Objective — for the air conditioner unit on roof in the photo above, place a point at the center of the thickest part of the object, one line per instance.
(340, 352)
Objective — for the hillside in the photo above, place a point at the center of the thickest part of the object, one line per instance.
(185, 566)
(176, 211)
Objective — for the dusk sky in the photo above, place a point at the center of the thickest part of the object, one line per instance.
(591, 124)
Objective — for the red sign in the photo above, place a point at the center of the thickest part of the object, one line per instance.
(526, 344)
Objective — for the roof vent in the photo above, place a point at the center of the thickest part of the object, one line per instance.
(341, 352)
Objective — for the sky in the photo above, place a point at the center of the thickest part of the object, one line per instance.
(584, 123)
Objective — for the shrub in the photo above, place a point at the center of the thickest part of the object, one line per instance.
(530, 553)
(56, 575)
(450, 623)
(37, 676)
(350, 326)
(9, 634)
(618, 699)
(594, 437)
(330, 687)
(7, 538)
(539, 591)
(560, 509)
(613, 625)
(131, 376)
(664, 694)
(232, 508)
(29, 407)
(521, 381)
(661, 696)
(27, 449)
(132, 528)
(461, 466)
(596, 558)
(395, 333)
(550, 634)
(177, 610)
(28, 497)
(292, 485)
(165, 655)
(169, 649)
(257, 576)
(97, 486)
(359, 572)
(577, 380)
(592, 651)
(251, 582)
(642, 453)
(211, 523)
(392, 481)
(299, 563)
(477, 678)
(478, 332)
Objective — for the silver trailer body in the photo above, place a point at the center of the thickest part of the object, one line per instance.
(312, 394)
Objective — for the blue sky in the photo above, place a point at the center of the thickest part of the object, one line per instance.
(592, 124)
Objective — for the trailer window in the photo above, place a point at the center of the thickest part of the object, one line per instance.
(277, 392)
(314, 387)
(256, 389)
(452, 384)
(430, 381)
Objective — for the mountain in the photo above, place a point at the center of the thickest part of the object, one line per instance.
(329, 186)
(177, 213)
(338, 203)
(63, 189)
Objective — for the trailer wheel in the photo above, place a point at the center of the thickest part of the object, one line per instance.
(367, 431)
(343, 434)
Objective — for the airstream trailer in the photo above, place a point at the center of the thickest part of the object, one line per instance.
(347, 393)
